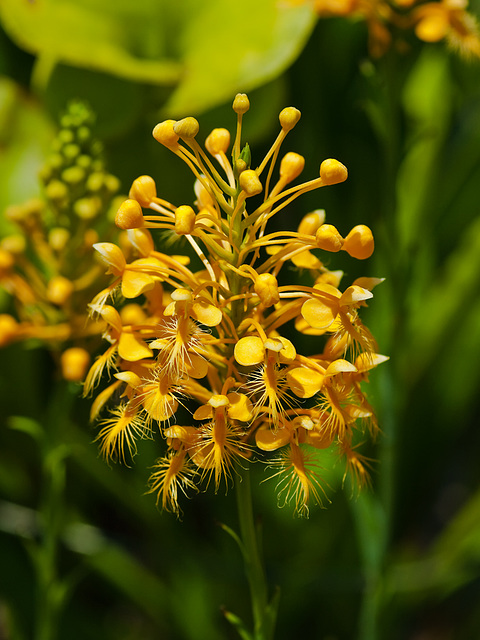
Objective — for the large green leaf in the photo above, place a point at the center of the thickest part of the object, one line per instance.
(236, 46)
(108, 36)
(207, 50)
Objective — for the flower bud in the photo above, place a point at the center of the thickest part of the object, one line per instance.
(266, 288)
(291, 166)
(332, 172)
(58, 238)
(143, 190)
(328, 238)
(250, 183)
(186, 128)
(288, 118)
(129, 215)
(241, 103)
(359, 242)
(74, 363)
(184, 220)
(59, 290)
(165, 134)
(87, 208)
(218, 141)
(8, 328)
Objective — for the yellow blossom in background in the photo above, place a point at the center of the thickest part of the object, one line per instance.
(447, 20)
(206, 338)
(47, 266)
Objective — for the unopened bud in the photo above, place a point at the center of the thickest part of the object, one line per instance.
(186, 128)
(288, 118)
(328, 238)
(129, 215)
(58, 238)
(143, 190)
(266, 288)
(74, 363)
(218, 141)
(332, 172)
(359, 243)
(165, 134)
(184, 220)
(250, 182)
(241, 103)
(291, 166)
(59, 290)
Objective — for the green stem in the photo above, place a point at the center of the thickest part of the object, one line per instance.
(264, 613)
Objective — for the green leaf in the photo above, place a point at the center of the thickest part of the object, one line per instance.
(236, 46)
(27, 425)
(25, 135)
(104, 35)
(427, 104)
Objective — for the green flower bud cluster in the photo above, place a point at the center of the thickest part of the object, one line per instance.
(76, 183)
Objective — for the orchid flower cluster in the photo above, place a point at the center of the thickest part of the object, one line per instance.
(210, 343)
(46, 263)
(447, 20)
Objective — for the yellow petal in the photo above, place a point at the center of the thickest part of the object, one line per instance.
(288, 352)
(249, 351)
(205, 412)
(132, 348)
(318, 314)
(196, 366)
(306, 260)
(355, 294)
(206, 313)
(240, 408)
(367, 361)
(134, 283)
(304, 382)
(339, 366)
(112, 256)
(269, 440)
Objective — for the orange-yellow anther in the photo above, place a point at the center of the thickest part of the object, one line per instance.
(332, 172)
(165, 134)
(241, 103)
(186, 128)
(359, 242)
(250, 182)
(184, 220)
(59, 290)
(310, 223)
(291, 166)
(218, 141)
(129, 215)
(266, 288)
(143, 190)
(288, 118)
(328, 238)
(74, 363)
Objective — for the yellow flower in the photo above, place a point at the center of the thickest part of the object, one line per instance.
(210, 341)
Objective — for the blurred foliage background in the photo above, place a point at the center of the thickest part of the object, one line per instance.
(81, 540)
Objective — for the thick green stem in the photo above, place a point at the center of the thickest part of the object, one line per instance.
(263, 613)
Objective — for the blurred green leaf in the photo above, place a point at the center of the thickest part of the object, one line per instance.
(25, 135)
(27, 425)
(427, 104)
(209, 50)
(102, 35)
(443, 307)
(232, 46)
